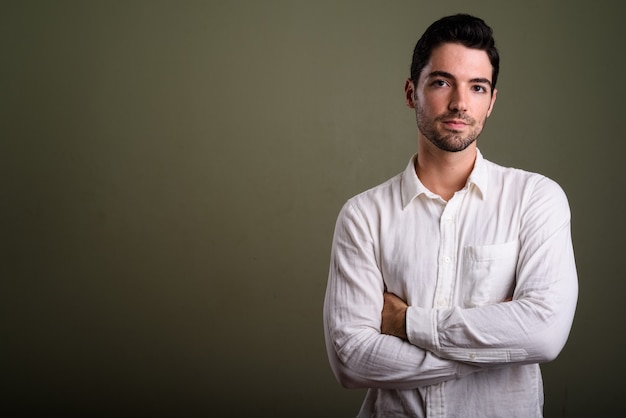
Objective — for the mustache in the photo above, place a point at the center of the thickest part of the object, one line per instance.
(456, 115)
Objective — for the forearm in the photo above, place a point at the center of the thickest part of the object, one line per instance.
(362, 357)
(532, 328)
(512, 332)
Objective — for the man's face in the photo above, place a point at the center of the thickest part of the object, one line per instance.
(453, 96)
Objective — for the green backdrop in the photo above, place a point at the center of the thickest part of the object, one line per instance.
(171, 172)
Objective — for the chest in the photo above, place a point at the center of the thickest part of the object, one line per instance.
(463, 253)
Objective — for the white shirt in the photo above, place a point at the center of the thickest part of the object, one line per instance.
(470, 353)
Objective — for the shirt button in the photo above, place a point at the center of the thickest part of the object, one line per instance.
(449, 220)
(446, 259)
(442, 302)
(472, 356)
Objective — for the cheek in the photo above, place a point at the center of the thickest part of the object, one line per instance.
(482, 110)
(432, 105)
(491, 103)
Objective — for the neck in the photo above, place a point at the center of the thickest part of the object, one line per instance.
(443, 172)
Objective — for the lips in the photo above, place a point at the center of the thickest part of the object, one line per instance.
(455, 120)
(455, 124)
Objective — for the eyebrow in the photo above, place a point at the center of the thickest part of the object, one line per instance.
(446, 74)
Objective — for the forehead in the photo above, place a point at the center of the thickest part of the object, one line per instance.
(462, 62)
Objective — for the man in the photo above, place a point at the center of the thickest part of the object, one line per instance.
(452, 281)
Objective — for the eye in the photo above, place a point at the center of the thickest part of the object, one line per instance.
(439, 83)
(479, 89)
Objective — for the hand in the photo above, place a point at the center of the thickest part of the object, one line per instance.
(394, 316)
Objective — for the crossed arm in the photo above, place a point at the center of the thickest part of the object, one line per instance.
(362, 321)
(374, 339)
(393, 317)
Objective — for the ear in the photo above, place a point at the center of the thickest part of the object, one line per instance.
(493, 101)
(409, 93)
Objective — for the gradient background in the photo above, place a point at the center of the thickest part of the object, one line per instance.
(171, 172)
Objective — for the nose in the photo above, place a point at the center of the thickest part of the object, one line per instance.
(458, 100)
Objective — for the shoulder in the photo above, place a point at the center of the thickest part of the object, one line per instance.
(536, 191)
(378, 194)
(539, 183)
(383, 197)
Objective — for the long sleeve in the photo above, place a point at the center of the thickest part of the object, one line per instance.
(535, 325)
(490, 280)
(359, 354)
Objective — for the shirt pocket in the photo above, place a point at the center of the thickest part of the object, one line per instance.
(488, 273)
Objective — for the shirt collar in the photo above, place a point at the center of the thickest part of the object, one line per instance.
(413, 187)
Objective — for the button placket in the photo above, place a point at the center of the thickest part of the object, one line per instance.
(447, 269)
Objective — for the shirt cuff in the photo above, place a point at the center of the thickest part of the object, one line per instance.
(421, 328)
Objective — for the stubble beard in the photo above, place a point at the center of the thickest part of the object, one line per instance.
(447, 141)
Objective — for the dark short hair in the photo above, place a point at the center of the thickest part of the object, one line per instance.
(464, 29)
